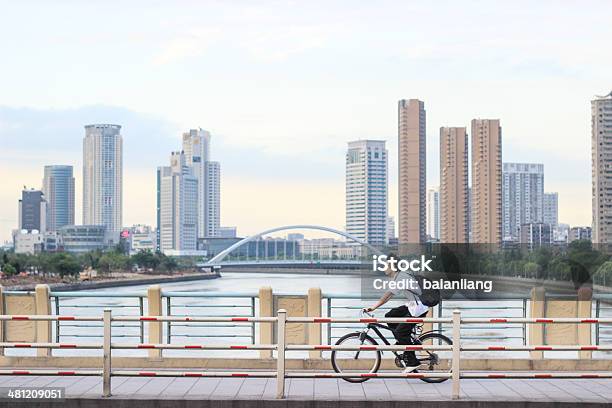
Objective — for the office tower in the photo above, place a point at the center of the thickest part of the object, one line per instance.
(412, 176)
(551, 209)
(522, 197)
(196, 146)
(486, 181)
(601, 139)
(390, 229)
(177, 206)
(433, 213)
(32, 211)
(535, 234)
(366, 191)
(103, 177)
(58, 188)
(453, 185)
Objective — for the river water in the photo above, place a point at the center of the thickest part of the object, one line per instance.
(249, 283)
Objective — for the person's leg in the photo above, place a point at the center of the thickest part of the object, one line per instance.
(406, 334)
(396, 312)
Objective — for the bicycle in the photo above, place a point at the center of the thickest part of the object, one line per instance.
(344, 363)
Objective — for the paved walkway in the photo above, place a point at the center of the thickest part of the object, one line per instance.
(86, 391)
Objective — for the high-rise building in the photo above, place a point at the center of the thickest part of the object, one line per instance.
(486, 217)
(177, 206)
(58, 187)
(390, 229)
(453, 185)
(32, 211)
(412, 171)
(103, 177)
(535, 234)
(366, 191)
(433, 214)
(196, 146)
(551, 209)
(213, 198)
(522, 197)
(580, 233)
(601, 140)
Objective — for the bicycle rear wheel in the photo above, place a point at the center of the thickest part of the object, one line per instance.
(356, 361)
(434, 361)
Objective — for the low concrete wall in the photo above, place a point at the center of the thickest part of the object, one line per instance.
(493, 364)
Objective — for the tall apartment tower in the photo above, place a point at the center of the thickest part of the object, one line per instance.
(486, 217)
(366, 191)
(601, 139)
(522, 197)
(196, 145)
(177, 206)
(433, 213)
(412, 176)
(103, 177)
(453, 185)
(32, 211)
(551, 209)
(213, 199)
(58, 187)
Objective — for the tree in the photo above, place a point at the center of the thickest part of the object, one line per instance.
(8, 269)
(113, 261)
(146, 259)
(603, 276)
(531, 270)
(168, 263)
(64, 264)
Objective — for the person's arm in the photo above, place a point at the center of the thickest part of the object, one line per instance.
(383, 299)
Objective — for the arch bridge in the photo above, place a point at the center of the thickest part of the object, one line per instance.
(255, 250)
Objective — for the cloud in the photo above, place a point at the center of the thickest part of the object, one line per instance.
(189, 44)
(43, 135)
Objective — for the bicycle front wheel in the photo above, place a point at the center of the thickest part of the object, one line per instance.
(356, 361)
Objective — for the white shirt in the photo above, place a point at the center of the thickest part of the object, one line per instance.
(414, 305)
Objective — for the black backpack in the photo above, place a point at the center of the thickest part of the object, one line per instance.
(429, 297)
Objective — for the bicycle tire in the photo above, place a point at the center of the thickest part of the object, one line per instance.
(443, 340)
(357, 335)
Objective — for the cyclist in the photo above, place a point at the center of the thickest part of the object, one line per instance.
(412, 307)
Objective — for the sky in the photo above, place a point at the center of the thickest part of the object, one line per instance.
(284, 85)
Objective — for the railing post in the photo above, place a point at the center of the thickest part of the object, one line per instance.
(538, 310)
(154, 303)
(456, 359)
(584, 311)
(43, 327)
(106, 369)
(280, 353)
(314, 329)
(266, 309)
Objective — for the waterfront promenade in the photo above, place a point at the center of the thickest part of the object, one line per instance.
(264, 348)
(152, 392)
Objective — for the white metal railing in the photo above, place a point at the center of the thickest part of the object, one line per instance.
(281, 347)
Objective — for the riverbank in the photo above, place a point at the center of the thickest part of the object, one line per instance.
(112, 283)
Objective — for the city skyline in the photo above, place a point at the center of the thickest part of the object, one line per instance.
(493, 69)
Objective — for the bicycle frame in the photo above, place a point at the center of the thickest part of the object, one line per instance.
(376, 328)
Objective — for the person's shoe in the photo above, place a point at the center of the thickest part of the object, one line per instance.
(410, 369)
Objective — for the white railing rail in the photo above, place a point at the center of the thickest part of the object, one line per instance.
(281, 347)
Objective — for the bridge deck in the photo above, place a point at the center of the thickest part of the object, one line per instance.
(321, 392)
